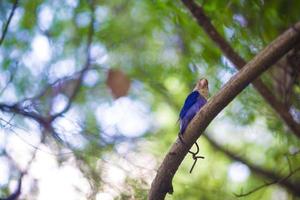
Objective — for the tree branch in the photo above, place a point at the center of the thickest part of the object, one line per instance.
(254, 168)
(46, 121)
(239, 63)
(275, 179)
(8, 22)
(269, 175)
(86, 67)
(16, 109)
(17, 192)
(271, 183)
(162, 183)
(15, 195)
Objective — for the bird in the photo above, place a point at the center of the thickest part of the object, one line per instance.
(193, 103)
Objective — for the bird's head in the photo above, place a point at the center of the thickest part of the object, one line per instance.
(202, 87)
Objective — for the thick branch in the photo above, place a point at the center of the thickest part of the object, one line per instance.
(273, 177)
(162, 183)
(12, 12)
(269, 175)
(239, 63)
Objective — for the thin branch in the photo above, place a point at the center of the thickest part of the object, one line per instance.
(15, 108)
(86, 66)
(58, 83)
(12, 12)
(239, 63)
(274, 177)
(162, 184)
(10, 80)
(268, 184)
(46, 121)
(15, 195)
(33, 146)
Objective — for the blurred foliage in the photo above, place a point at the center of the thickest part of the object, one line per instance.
(160, 47)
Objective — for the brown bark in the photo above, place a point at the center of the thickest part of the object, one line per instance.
(162, 183)
(272, 176)
(239, 63)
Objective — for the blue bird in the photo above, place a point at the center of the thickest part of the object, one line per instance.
(193, 103)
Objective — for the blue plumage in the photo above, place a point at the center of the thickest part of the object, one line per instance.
(192, 105)
(189, 101)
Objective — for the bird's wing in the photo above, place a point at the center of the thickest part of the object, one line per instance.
(190, 110)
(201, 101)
(190, 100)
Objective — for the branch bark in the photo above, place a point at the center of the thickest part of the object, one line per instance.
(239, 63)
(17, 109)
(162, 183)
(257, 170)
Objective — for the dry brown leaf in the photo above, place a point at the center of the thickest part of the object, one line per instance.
(118, 82)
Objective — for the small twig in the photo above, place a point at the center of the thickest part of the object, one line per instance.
(266, 174)
(33, 146)
(194, 154)
(11, 78)
(267, 184)
(15, 108)
(46, 121)
(56, 84)
(86, 66)
(8, 21)
(15, 195)
(7, 122)
(195, 157)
